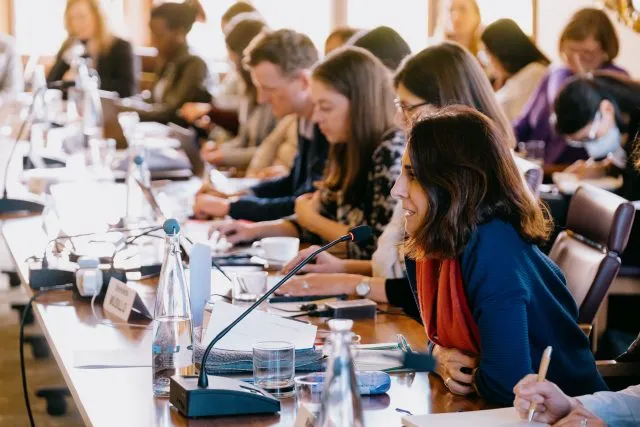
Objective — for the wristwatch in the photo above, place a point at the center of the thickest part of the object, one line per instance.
(364, 288)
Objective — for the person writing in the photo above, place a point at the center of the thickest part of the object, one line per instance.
(280, 64)
(353, 98)
(620, 409)
(256, 120)
(111, 56)
(489, 299)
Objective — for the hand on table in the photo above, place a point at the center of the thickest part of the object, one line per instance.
(237, 231)
(324, 262)
(551, 403)
(207, 205)
(322, 284)
(193, 111)
(307, 209)
(211, 153)
(580, 417)
(271, 172)
(589, 169)
(449, 367)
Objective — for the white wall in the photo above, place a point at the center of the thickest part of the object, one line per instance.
(552, 16)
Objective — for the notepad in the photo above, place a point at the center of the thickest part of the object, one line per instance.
(506, 417)
(257, 326)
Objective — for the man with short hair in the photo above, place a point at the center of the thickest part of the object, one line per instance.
(280, 63)
(11, 82)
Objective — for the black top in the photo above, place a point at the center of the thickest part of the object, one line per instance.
(118, 69)
(275, 199)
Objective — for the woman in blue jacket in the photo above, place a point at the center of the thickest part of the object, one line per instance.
(490, 300)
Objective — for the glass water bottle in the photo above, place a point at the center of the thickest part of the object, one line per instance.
(340, 405)
(172, 348)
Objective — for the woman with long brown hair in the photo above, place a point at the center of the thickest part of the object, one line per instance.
(489, 299)
(111, 56)
(353, 99)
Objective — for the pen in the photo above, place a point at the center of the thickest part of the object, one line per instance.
(542, 374)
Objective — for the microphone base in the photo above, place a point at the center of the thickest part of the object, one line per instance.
(224, 396)
(8, 206)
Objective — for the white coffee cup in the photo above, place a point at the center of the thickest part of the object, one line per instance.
(279, 249)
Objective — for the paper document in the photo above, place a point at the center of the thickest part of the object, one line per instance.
(100, 359)
(506, 417)
(257, 326)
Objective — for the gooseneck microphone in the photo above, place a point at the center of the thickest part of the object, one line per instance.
(229, 396)
(357, 234)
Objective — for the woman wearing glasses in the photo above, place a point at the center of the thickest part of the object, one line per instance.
(587, 43)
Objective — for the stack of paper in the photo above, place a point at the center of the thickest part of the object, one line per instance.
(506, 417)
(257, 326)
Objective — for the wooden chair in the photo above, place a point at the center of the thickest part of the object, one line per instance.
(588, 251)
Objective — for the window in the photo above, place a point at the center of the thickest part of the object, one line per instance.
(206, 38)
(520, 11)
(407, 17)
(311, 17)
(51, 32)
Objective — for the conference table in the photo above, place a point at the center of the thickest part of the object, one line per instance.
(123, 396)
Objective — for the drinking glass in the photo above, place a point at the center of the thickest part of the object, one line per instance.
(274, 367)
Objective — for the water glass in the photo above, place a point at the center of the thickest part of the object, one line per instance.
(249, 286)
(274, 367)
(533, 151)
(308, 389)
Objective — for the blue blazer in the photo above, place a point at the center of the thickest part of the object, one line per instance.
(521, 304)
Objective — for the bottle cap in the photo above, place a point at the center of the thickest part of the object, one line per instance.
(171, 227)
(138, 160)
(340, 325)
(88, 262)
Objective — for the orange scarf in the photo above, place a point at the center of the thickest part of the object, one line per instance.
(443, 305)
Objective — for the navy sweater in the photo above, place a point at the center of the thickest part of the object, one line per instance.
(521, 304)
(275, 199)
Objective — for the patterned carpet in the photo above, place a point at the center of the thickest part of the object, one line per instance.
(40, 373)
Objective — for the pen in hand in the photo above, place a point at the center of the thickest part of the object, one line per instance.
(542, 374)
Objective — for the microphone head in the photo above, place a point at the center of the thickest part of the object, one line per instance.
(360, 234)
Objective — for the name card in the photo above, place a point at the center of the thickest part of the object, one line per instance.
(121, 300)
(200, 281)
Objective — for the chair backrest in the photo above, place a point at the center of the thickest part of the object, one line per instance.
(532, 173)
(588, 251)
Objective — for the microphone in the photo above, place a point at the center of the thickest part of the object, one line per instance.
(198, 400)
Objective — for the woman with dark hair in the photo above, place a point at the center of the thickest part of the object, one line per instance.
(489, 299)
(587, 43)
(384, 43)
(515, 62)
(256, 120)
(438, 76)
(353, 99)
(180, 76)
